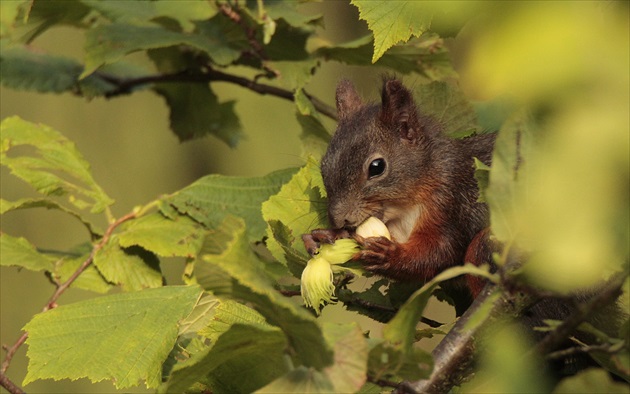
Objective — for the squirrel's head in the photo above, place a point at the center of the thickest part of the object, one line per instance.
(377, 156)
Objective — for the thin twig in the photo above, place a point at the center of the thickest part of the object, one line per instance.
(608, 294)
(52, 302)
(125, 86)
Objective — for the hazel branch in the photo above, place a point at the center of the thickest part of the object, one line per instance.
(126, 85)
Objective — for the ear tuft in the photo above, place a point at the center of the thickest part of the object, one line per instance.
(348, 100)
(398, 110)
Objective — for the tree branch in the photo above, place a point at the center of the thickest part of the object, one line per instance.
(610, 292)
(125, 86)
(52, 302)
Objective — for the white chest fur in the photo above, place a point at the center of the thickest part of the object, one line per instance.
(401, 221)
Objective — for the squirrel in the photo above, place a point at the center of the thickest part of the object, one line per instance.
(391, 162)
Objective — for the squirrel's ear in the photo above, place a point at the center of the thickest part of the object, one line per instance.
(348, 100)
(399, 109)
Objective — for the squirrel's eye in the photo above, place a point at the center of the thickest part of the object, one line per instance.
(376, 168)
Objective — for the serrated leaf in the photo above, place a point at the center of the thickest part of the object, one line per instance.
(300, 380)
(425, 56)
(195, 111)
(26, 203)
(482, 176)
(211, 198)
(90, 279)
(56, 168)
(122, 337)
(184, 12)
(180, 236)
(19, 252)
(26, 70)
(243, 277)
(348, 373)
(314, 136)
(133, 268)
(288, 43)
(109, 43)
(445, 103)
(393, 21)
(288, 11)
(201, 315)
(256, 352)
(300, 207)
(230, 312)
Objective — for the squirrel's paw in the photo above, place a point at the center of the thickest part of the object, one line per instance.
(313, 240)
(376, 253)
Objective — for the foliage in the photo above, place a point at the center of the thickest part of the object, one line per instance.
(556, 188)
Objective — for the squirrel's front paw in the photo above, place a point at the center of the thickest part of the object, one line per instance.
(376, 253)
(313, 240)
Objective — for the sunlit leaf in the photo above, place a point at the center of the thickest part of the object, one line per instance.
(392, 22)
(300, 380)
(122, 337)
(348, 373)
(252, 350)
(184, 12)
(55, 168)
(209, 199)
(26, 203)
(300, 207)
(19, 252)
(180, 236)
(107, 44)
(133, 268)
(237, 273)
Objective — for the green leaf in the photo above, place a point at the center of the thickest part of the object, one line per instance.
(400, 331)
(504, 180)
(9, 13)
(482, 175)
(392, 363)
(590, 381)
(393, 21)
(348, 373)
(237, 273)
(314, 136)
(184, 12)
(201, 315)
(26, 70)
(254, 351)
(180, 236)
(211, 198)
(300, 380)
(90, 279)
(26, 203)
(230, 312)
(122, 337)
(300, 207)
(19, 252)
(425, 56)
(195, 111)
(133, 268)
(445, 103)
(109, 43)
(55, 168)
(378, 306)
